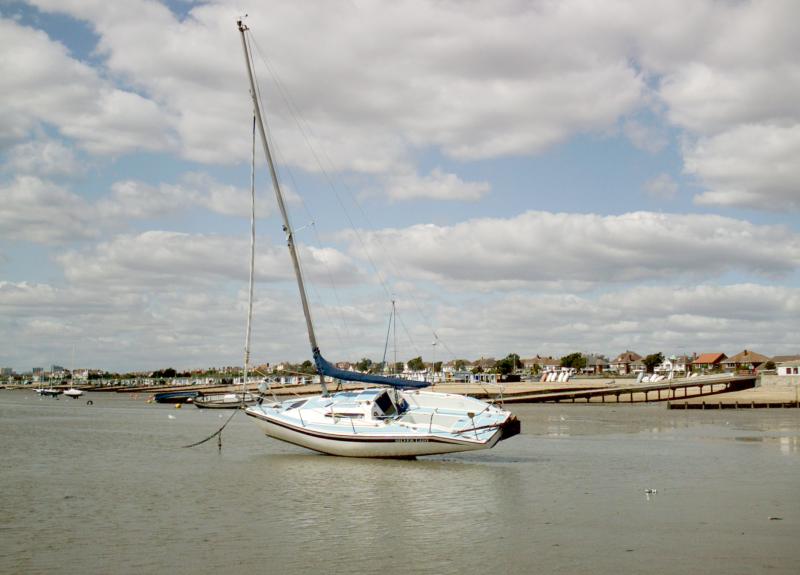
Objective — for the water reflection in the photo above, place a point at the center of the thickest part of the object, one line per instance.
(788, 445)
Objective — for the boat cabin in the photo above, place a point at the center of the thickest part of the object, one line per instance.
(367, 405)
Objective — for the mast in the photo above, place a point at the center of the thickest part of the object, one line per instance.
(287, 227)
(324, 367)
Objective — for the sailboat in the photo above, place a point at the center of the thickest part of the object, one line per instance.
(73, 392)
(394, 419)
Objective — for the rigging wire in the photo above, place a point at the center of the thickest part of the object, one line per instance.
(276, 152)
(248, 330)
(305, 130)
(283, 166)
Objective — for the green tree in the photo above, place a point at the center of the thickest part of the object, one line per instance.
(307, 367)
(574, 360)
(460, 364)
(437, 367)
(652, 360)
(508, 364)
(364, 365)
(769, 365)
(416, 364)
(477, 369)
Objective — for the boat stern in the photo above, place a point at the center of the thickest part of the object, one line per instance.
(510, 427)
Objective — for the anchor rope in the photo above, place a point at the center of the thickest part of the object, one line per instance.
(308, 134)
(216, 433)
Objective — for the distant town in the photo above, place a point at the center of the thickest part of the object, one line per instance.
(510, 368)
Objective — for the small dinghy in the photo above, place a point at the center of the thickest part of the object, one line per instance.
(224, 400)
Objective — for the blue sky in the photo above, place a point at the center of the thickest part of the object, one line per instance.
(521, 176)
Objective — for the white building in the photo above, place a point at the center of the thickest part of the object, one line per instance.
(677, 364)
(789, 368)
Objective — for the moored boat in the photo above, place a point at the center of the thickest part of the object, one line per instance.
(175, 396)
(400, 421)
(224, 400)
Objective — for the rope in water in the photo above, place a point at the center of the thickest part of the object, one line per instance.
(216, 433)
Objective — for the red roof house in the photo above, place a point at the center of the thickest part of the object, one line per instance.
(708, 361)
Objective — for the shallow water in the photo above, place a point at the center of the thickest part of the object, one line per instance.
(108, 488)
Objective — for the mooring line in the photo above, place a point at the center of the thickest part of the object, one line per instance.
(216, 433)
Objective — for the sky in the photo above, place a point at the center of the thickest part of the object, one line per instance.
(531, 177)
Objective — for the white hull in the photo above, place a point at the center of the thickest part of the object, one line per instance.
(349, 446)
(223, 401)
(369, 424)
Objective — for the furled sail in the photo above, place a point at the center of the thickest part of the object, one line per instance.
(326, 368)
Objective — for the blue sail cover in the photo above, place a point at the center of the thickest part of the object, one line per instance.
(324, 367)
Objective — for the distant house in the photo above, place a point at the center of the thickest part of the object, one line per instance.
(745, 359)
(622, 363)
(677, 364)
(545, 364)
(595, 364)
(777, 359)
(485, 363)
(789, 368)
(707, 361)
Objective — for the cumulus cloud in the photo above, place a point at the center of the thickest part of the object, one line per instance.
(646, 319)
(435, 186)
(662, 187)
(559, 247)
(645, 136)
(39, 211)
(136, 199)
(753, 166)
(43, 157)
(196, 327)
(471, 82)
(43, 83)
(728, 74)
(178, 325)
(156, 258)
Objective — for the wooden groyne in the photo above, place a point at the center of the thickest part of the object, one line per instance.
(758, 398)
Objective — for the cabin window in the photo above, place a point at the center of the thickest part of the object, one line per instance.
(297, 404)
(385, 404)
